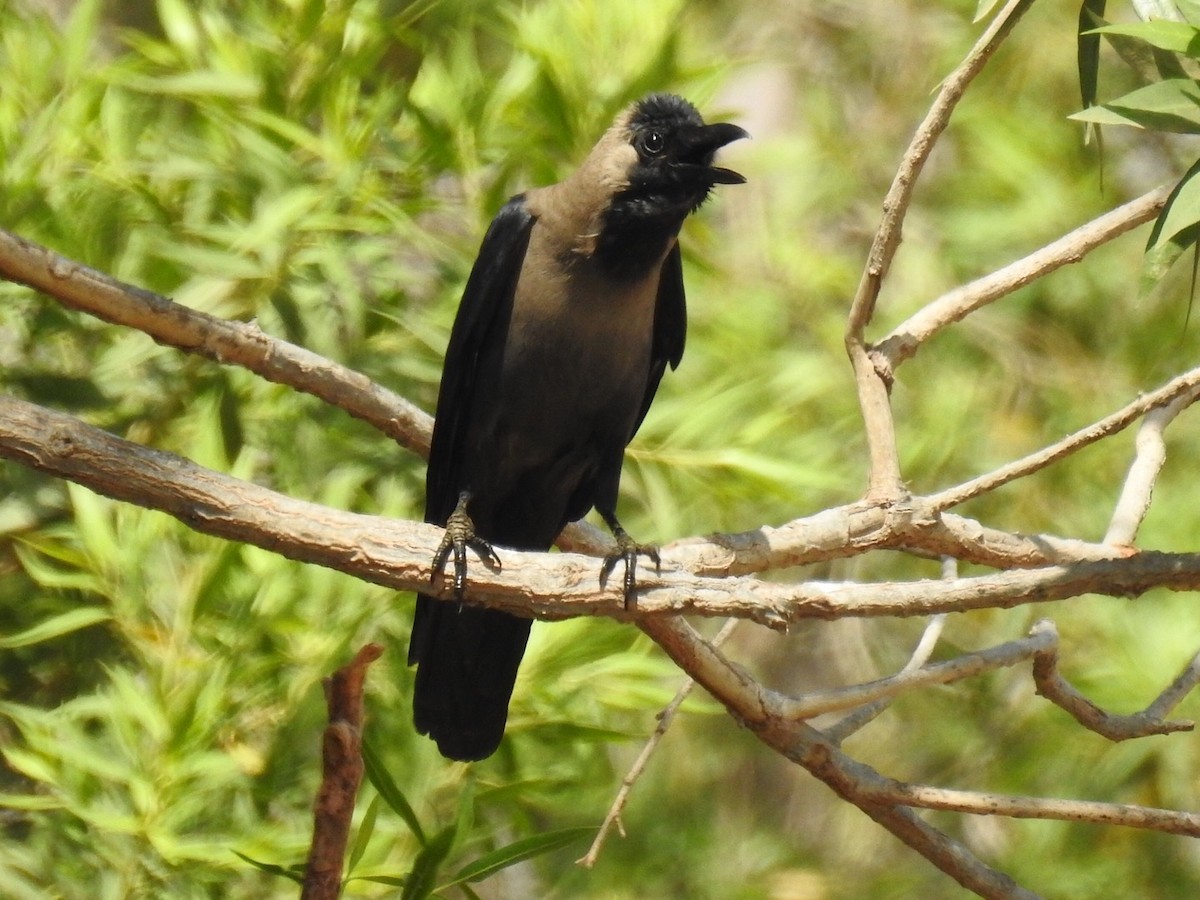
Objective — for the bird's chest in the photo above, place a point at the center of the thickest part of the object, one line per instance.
(579, 345)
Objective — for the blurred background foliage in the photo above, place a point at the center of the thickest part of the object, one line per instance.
(327, 169)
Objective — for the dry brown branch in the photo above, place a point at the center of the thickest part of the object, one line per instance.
(1056, 689)
(908, 337)
(235, 343)
(861, 716)
(1168, 821)
(758, 709)
(969, 665)
(341, 775)
(884, 481)
(397, 554)
(1150, 454)
(1184, 385)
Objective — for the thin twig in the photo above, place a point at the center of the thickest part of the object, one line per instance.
(908, 337)
(899, 195)
(1168, 821)
(1056, 689)
(968, 665)
(613, 819)
(1150, 452)
(1180, 386)
(859, 718)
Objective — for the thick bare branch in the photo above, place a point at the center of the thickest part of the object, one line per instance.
(757, 708)
(80, 287)
(397, 554)
(341, 775)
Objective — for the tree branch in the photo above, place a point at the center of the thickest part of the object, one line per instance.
(397, 554)
(908, 337)
(1185, 385)
(341, 775)
(884, 478)
(174, 325)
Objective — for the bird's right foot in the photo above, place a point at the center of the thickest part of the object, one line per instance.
(460, 534)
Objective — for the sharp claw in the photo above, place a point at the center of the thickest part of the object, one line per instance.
(486, 551)
(460, 534)
(627, 551)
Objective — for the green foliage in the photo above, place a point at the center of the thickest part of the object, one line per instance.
(326, 169)
(1165, 51)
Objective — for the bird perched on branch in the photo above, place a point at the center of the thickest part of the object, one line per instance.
(573, 311)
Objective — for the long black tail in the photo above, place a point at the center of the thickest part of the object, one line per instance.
(467, 660)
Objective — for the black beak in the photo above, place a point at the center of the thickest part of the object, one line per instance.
(700, 145)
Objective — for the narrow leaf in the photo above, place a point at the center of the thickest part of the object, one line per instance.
(1088, 49)
(1177, 37)
(378, 775)
(420, 881)
(363, 836)
(272, 868)
(984, 9)
(55, 627)
(1175, 230)
(1180, 212)
(1171, 105)
(519, 851)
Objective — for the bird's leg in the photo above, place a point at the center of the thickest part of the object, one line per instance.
(627, 551)
(460, 534)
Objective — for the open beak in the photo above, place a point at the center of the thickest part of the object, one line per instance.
(701, 145)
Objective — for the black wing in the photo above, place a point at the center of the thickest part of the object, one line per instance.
(483, 317)
(670, 328)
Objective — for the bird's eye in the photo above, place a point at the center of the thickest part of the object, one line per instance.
(653, 143)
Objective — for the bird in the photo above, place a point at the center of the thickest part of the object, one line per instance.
(572, 312)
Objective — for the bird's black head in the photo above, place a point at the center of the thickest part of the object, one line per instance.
(675, 152)
(670, 177)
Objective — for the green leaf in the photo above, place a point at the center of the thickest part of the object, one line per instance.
(378, 775)
(30, 802)
(193, 85)
(55, 627)
(420, 881)
(363, 835)
(519, 851)
(1177, 37)
(1088, 49)
(1170, 105)
(1102, 115)
(290, 872)
(1181, 211)
(1176, 229)
(391, 880)
(984, 9)
(464, 819)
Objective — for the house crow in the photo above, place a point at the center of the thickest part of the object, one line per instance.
(572, 312)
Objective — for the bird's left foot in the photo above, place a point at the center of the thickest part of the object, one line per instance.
(627, 551)
(460, 534)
